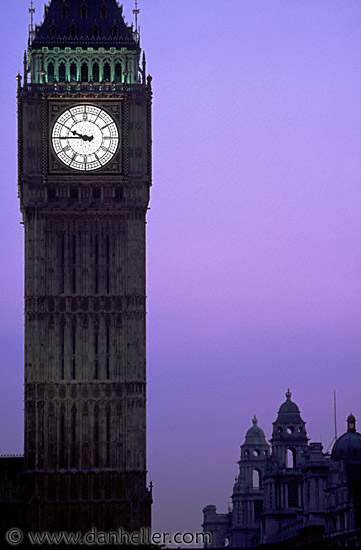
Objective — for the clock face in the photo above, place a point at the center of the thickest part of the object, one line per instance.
(85, 137)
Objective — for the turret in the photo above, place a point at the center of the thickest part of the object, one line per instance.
(289, 436)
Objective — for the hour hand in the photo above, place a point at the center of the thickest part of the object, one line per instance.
(81, 136)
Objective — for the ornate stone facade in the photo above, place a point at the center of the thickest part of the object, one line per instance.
(85, 298)
(294, 496)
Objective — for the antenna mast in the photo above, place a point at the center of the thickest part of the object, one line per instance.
(334, 405)
(335, 418)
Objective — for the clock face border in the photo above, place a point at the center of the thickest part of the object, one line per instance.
(86, 129)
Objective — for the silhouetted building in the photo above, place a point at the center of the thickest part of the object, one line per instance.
(294, 496)
(84, 130)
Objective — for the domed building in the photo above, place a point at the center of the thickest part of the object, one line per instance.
(348, 446)
(343, 494)
(292, 494)
(241, 527)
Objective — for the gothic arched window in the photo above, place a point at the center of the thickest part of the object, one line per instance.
(115, 31)
(106, 74)
(64, 10)
(73, 437)
(73, 31)
(62, 72)
(96, 437)
(118, 72)
(103, 10)
(53, 30)
(50, 71)
(73, 73)
(84, 72)
(95, 31)
(84, 11)
(96, 72)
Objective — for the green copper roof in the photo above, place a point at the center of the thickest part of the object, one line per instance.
(83, 23)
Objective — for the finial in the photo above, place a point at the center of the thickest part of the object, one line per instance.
(255, 420)
(288, 394)
(351, 423)
(136, 11)
(31, 26)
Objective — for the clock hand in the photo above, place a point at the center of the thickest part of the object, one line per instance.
(81, 136)
(78, 136)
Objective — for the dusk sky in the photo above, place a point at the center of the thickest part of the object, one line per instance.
(254, 233)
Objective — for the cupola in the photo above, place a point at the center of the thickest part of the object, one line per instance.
(348, 446)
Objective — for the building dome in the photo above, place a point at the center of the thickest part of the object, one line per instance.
(255, 445)
(289, 424)
(348, 446)
(288, 407)
(255, 434)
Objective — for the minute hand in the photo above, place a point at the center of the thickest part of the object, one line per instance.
(80, 136)
(84, 138)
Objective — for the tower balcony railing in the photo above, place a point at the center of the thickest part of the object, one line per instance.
(64, 88)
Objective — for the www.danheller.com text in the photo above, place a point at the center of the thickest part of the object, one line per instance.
(120, 537)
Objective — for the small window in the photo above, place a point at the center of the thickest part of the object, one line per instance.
(256, 480)
(300, 429)
(64, 10)
(51, 72)
(290, 430)
(279, 430)
(119, 194)
(84, 11)
(291, 458)
(73, 193)
(73, 31)
(53, 30)
(118, 72)
(95, 72)
(103, 10)
(84, 72)
(62, 72)
(95, 31)
(258, 509)
(51, 194)
(292, 494)
(256, 452)
(73, 73)
(115, 31)
(106, 72)
(96, 193)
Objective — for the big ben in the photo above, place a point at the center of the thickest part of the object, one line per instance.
(84, 134)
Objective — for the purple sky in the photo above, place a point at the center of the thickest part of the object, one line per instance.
(254, 232)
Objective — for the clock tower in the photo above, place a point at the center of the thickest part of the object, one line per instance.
(84, 116)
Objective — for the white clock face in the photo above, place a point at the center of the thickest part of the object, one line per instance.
(85, 137)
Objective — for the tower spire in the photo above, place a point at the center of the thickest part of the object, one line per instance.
(31, 26)
(136, 11)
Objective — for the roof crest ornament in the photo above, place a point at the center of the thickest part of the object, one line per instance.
(288, 394)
